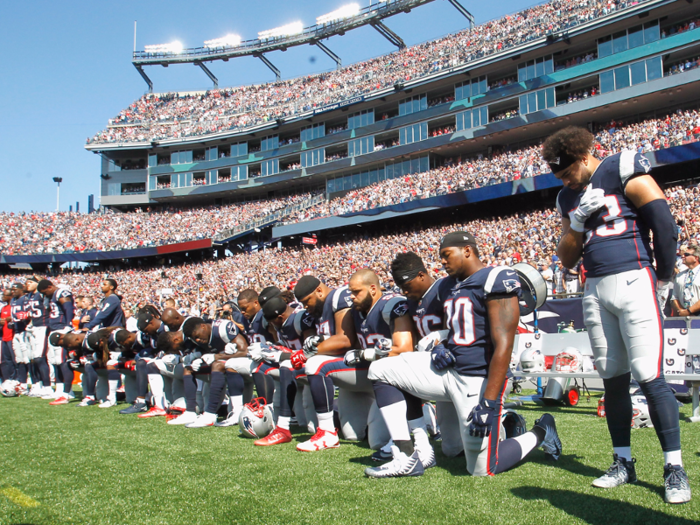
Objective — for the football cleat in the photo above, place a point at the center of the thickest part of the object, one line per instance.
(231, 420)
(136, 408)
(36, 391)
(425, 453)
(276, 437)
(108, 403)
(87, 401)
(384, 453)
(676, 484)
(203, 420)
(551, 444)
(321, 440)
(153, 412)
(401, 466)
(620, 472)
(63, 400)
(48, 393)
(184, 419)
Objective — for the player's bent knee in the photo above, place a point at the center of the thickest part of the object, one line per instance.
(377, 370)
(314, 364)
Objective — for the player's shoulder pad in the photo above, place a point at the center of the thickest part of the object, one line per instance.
(341, 298)
(395, 306)
(63, 293)
(631, 164)
(502, 280)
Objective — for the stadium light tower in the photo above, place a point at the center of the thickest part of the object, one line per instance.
(58, 181)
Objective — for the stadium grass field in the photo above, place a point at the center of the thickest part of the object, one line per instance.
(88, 465)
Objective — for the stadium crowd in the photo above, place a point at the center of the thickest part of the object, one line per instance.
(69, 232)
(161, 116)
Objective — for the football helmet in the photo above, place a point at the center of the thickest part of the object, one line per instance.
(640, 412)
(256, 419)
(568, 360)
(531, 360)
(513, 423)
(10, 388)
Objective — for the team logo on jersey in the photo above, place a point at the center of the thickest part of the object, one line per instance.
(644, 163)
(511, 285)
(401, 309)
(420, 311)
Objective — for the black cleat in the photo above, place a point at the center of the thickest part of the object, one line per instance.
(551, 445)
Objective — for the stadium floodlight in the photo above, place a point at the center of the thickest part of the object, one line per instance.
(290, 29)
(339, 14)
(229, 40)
(172, 47)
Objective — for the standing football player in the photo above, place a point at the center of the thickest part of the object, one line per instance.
(36, 336)
(20, 346)
(608, 208)
(469, 370)
(110, 311)
(8, 367)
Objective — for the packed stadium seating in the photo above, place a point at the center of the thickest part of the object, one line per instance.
(166, 116)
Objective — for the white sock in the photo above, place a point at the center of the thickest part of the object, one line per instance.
(325, 421)
(387, 448)
(59, 389)
(157, 387)
(113, 383)
(527, 442)
(673, 457)
(395, 418)
(209, 416)
(283, 422)
(236, 402)
(623, 452)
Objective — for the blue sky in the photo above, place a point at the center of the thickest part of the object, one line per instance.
(66, 69)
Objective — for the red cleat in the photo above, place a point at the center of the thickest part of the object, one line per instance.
(276, 437)
(60, 401)
(153, 412)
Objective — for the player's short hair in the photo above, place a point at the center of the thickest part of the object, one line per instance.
(150, 309)
(406, 267)
(163, 344)
(43, 285)
(572, 142)
(287, 296)
(248, 295)
(17, 284)
(190, 325)
(122, 335)
(112, 283)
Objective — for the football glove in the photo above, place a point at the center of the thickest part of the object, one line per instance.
(230, 348)
(354, 357)
(171, 359)
(209, 358)
(22, 316)
(482, 417)
(663, 289)
(130, 365)
(271, 354)
(311, 345)
(429, 341)
(74, 364)
(196, 364)
(84, 360)
(255, 351)
(441, 357)
(591, 201)
(298, 359)
(114, 356)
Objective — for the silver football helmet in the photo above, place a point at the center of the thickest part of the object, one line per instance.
(10, 388)
(256, 420)
(531, 360)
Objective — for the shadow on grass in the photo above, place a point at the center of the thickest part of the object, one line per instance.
(597, 510)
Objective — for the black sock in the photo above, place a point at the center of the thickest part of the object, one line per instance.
(618, 409)
(405, 446)
(663, 411)
(216, 392)
(235, 383)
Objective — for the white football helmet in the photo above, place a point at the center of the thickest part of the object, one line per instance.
(531, 360)
(640, 412)
(10, 388)
(568, 360)
(256, 420)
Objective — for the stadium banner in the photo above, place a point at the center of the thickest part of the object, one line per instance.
(106, 256)
(341, 104)
(308, 240)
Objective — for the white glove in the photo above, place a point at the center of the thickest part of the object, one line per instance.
(271, 356)
(591, 201)
(255, 351)
(380, 349)
(209, 358)
(311, 345)
(230, 348)
(196, 364)
(663, 289)
(112, 362)
(114, 356)
(429, 341)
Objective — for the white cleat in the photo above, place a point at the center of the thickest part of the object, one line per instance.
(401, 466)
(184, 419)
(231, 420)
(36, 391)
(108, 403)
(321, 440)
(203, 420)
(425, 453)
(50, 394)
(87, 401)
(676, 485)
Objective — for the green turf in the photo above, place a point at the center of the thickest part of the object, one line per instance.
(91, 465)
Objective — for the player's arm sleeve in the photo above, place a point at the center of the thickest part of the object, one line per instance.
(69, 310)
(104, 313)
(657, 215)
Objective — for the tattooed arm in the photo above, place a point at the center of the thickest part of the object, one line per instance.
(503, 312)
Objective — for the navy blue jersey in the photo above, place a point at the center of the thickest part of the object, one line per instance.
(60, 315)
(291, 334)
(222, 333)
(615, 238)
(377, 324)
(257, 330)
(469, 337)
(427, 313)
(91, 313)
(337, 300)
(150, 341)
(110, 313)
(38, 308)
(18, 305)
